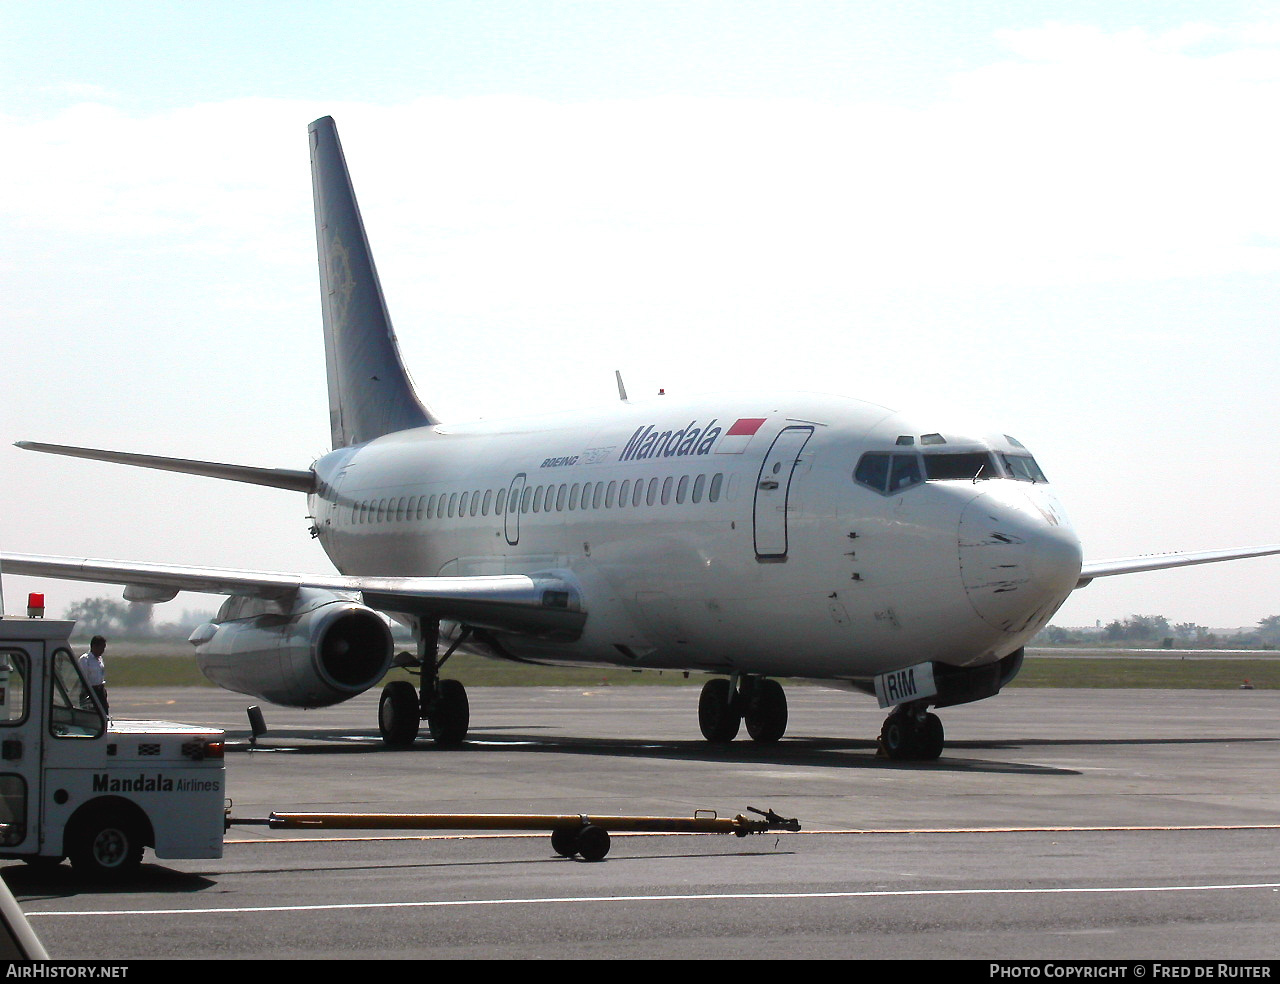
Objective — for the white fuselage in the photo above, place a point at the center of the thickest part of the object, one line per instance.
(727, 534)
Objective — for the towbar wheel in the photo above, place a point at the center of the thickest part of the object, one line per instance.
(593, 843)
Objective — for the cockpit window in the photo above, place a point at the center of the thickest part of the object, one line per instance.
(905, 473)
(888, 473)
(971, 465)
(1023, 467)
(873, 471)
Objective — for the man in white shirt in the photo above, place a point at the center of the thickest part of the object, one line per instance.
(95, 672)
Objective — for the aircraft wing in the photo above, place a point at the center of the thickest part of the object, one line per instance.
(530, 603)
(1157, 562)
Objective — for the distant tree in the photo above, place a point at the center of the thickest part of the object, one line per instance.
(106, 615)
(1190, 632)
(1268, 631)
(1138, 628)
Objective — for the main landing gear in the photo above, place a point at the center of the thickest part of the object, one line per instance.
(912, 734)
(442, 703)
(761, 703)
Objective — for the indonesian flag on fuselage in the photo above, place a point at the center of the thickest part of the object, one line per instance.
(739, 435)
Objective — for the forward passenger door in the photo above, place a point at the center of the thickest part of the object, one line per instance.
(773, 486)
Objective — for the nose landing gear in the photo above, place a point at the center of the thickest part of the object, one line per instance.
(912, 734)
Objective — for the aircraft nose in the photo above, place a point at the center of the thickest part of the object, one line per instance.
(1019, 557)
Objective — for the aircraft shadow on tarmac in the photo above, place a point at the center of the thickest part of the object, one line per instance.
(798, 752)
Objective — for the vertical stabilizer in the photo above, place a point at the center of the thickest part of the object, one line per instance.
(370, 393)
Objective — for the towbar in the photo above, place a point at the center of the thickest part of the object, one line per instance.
(571, 834)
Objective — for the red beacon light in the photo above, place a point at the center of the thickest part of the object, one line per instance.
(35, 605)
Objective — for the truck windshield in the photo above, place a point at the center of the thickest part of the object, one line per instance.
(73, 710)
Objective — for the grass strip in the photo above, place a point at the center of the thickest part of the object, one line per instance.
(125, 669)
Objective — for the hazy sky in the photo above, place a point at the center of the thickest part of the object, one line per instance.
(1059, 218)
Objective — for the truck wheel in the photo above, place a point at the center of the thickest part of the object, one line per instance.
(105, 848)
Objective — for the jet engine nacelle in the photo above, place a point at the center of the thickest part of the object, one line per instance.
(316, 649)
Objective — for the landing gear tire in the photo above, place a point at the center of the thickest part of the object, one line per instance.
(718, 714)
(398, 714)
(896, 737)
(766, 716)
(932, 738)
(449, 716)
(106, 848)
(904, 737)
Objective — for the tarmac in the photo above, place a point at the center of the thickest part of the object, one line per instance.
(1058, 824)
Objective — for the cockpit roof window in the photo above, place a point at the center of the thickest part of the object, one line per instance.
(968, 465)
(932, 439)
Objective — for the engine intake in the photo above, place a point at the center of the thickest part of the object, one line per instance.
(318, 650)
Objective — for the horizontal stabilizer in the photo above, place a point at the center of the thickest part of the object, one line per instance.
(1159, 562)
(280, 478)
(543, 604)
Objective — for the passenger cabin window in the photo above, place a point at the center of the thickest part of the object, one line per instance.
(972, 465)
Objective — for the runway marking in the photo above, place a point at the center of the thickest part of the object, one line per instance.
(713, 897)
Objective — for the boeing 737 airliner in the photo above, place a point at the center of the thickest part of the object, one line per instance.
(749, 537)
